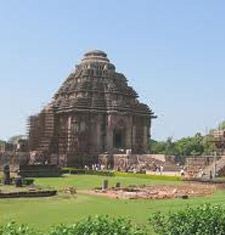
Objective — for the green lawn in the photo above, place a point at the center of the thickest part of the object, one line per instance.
(44, 212)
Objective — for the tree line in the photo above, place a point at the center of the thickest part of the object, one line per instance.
(196, 145)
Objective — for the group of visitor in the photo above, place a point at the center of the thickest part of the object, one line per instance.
(96, 167)
(159, 169)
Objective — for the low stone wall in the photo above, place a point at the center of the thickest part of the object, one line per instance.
(40, 171)
(158, 157)
(125, 162)
(106, 160)
(77, 161)
(13, 159)
(48, 193)
(194, 164)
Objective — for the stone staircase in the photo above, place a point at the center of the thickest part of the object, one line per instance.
(220, 169)
(171, 166)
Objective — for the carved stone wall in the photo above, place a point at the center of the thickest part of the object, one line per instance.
(14, 159)
(126, 162)
(94, 111)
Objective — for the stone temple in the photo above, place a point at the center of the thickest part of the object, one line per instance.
(95, 112)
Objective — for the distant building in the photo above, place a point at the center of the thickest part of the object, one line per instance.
(6, 147)
(21, 145)
(219, 138)
(93, 112)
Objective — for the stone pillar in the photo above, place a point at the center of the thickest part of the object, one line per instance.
(134, 139)
(145, 138)
(69, 134)
(109, 134)
(6, 175)
(98, 136)
(105, 184)
(128, 140)
(109, 139)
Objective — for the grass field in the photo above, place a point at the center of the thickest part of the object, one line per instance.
(44, 212)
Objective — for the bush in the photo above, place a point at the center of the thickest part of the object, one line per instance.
(146, 176)
(101, 173)
(13, 229)
(28, 181)
(74, 171)
(99, 225)
(203, 220)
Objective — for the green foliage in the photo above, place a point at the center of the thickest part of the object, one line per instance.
(74, 171)
(14, 139)
(203, 220)
(28, 181)
(151, 177)
(208, 144)
(221, 125)
(157, 147)
(14, 229)
(189, 146)
(99, 225)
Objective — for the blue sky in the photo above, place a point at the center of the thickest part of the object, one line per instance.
(172, 52)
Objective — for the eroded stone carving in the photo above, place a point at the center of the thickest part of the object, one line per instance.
(94, 111)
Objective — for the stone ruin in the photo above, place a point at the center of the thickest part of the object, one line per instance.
(95, 118)
(14, 160)
(139, 162)
(6, 175)
(29, 164)
(94, 112)
(153, 191)
(209, 167)
(219, 138)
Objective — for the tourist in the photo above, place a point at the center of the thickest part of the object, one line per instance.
(210, 175)
(93, 167)
(157, 169)
(86, 167)
(161, 170)
(182, 172)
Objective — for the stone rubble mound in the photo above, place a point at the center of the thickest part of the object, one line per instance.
(156, 192)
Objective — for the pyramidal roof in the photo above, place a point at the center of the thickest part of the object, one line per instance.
(95, 86)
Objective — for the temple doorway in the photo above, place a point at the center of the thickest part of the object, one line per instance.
(118, 138)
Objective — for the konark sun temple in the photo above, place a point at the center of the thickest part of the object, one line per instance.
(94, 117)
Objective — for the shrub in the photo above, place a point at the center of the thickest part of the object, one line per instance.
(99, 225)
(101, 173)
(28, 181)
(203, 220)
(146, 176)
(13, 229)
(74, 171)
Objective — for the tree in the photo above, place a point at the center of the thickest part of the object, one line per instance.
(14, 139)
(208, 144)
(221, 125)
(157, 147)
(170, 147)
(190, 146)
(196, 145)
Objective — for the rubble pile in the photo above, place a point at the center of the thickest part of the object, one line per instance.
(156, 192)
(69, 190)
